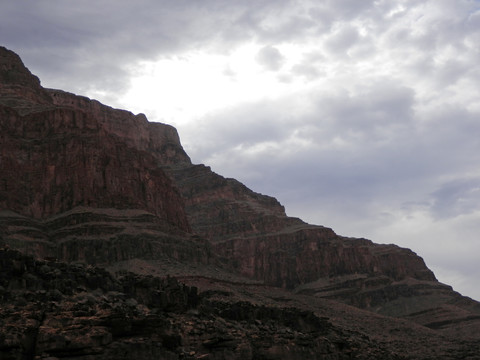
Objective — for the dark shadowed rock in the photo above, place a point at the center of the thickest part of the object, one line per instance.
(83, 312)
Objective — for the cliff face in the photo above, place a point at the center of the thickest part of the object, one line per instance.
(64, 157)
(60, 151)
(253, 231)
(68, 159)
(260, 242)
(81, 182)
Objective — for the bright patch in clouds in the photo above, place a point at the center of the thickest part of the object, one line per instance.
(185, 88)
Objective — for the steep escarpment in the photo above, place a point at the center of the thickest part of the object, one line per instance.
(260, 242)
(75, 175)
(254, 231)
(67, 159)
(72, 151)
(221, 209)
(135, 131)
(83, 185)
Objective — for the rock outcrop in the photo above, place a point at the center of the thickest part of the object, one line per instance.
(51, 310)
(252, 231)
(80, 181)
(88, 185)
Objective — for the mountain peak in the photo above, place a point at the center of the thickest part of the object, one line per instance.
(14, 72)
(20, 89)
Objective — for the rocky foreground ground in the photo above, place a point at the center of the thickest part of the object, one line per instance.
(52, 310)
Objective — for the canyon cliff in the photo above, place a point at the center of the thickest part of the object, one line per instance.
(113, 242)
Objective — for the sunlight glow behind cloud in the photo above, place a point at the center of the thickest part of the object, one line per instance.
(182, 89)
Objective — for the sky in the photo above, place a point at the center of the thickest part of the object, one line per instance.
(359, 115)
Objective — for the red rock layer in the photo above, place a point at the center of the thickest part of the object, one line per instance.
(60, 151)
(253, 231)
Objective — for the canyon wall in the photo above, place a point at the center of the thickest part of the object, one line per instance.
(83, 183)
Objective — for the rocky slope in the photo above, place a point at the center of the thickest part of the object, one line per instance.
(261, 243)
(83, 183)
(52, 310)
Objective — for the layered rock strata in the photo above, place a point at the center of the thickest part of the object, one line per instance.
(80, 181)
(51, 310)
(262, 243)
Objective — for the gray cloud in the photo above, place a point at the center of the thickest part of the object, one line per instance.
(94, 42)
(457, 197)
(342, 39)
(354, 134)
(270, 58)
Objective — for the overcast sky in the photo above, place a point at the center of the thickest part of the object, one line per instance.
(359, 115)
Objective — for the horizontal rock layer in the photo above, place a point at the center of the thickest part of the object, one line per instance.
(51, 310)
(253, 233)
(102, 237)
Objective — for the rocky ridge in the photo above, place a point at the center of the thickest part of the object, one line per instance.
(83, 183)
(262, 243)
